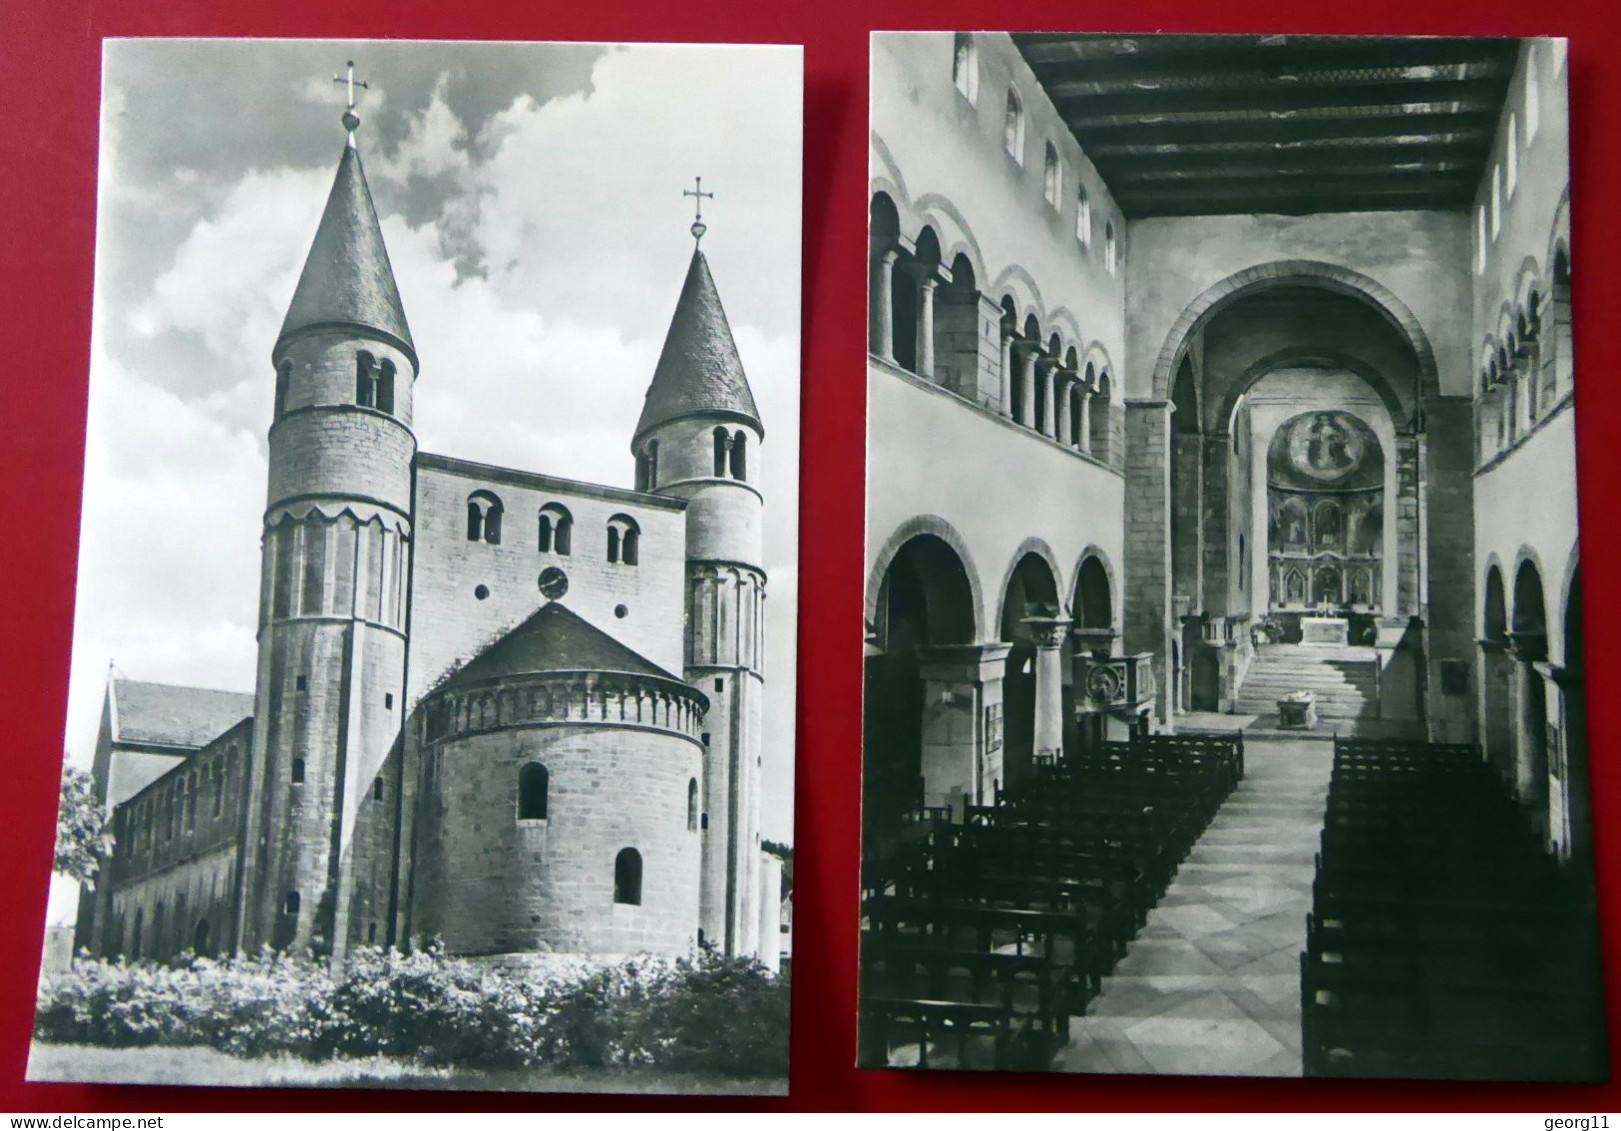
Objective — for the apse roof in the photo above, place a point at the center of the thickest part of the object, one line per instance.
(347, 279)
(699, 371)
(555, 639)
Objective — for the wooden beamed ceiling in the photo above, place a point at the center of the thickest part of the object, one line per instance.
(1182, 125)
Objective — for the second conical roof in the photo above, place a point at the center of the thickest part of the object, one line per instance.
(699, 373)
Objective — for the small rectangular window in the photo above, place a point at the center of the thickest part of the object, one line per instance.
(301, 683)
(706, 738)
(377, 789)
(720, 685)
(388, 700)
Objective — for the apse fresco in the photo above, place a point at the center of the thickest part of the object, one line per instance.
(1325, 512)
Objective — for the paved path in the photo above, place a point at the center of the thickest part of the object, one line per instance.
(1212, 984)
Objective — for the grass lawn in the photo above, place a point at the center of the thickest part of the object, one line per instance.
(198, 1065)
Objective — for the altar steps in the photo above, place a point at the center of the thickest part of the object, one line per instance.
(1345, 680)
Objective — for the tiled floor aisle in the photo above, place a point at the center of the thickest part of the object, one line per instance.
(1212, 983)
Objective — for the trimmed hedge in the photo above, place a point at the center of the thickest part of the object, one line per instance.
(709, 1014)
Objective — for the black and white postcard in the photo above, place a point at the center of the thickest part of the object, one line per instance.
(1224, 689)
(429, 724)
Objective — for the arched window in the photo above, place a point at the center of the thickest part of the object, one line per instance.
(1111, 251)
(965, 66)
(290, 904)
(284, 383)
(1052, 177)
(385, 386)
(365, 380)
(624, 540)
(556, 529)
(1083, 219)
(740, 455)
(1013, 126)
(723, 442)
(534, 783)
(484, 518)
(692, 805)
(628, 876)
(298, 771)
(200, 941)
(377, 788)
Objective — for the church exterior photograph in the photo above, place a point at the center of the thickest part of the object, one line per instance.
(1224, 707)
(428, 715)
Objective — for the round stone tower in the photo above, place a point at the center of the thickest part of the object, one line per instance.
(699, 439)
(337, 536)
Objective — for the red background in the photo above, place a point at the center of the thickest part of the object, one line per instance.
(49, 84)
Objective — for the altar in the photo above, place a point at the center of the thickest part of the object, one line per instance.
(1325, 630)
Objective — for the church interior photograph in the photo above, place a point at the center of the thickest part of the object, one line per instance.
(463, 718)
(1224, 708)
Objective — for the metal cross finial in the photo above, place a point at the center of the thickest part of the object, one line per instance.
(351, 120)
(698, 194)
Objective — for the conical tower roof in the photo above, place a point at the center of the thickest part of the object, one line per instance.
(347, 280)
(699, 372)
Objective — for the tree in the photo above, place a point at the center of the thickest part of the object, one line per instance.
(82, 839)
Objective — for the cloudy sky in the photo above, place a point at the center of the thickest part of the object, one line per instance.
(531, 200)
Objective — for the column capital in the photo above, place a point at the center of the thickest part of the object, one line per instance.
(1528, 647)
(1049, 632)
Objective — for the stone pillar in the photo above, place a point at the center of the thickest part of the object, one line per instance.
(1066, 397)
(1215, 514)
(1049, 635)
(1497, 674)
(1006, 398)
(1533, 763)
(1448, 564)
(1083, 428)
(1577, 844)
(1559, 780)
(1028, 356)
(925, 325)
(962, 724)
(1147, 564)
(881, 316)
(1405, 559)
(1049, 395)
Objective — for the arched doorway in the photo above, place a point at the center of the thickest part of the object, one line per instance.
(1529, 633)
(1497, 678)
(924, 602)
(1031, 591)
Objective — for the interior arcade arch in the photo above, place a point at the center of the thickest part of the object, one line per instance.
(923, 613)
